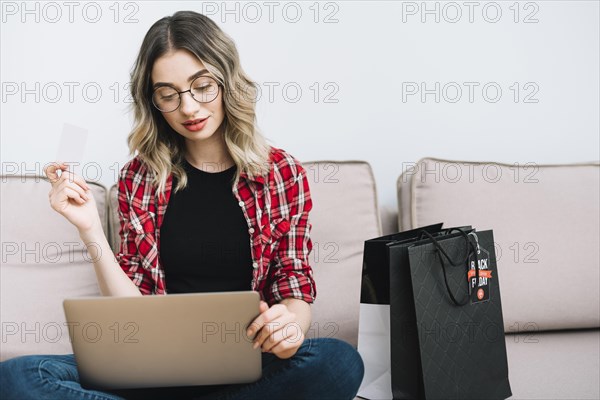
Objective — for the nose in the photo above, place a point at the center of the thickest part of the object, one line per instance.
(189, 106)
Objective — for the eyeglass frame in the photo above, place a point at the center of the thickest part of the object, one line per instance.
(219, 85)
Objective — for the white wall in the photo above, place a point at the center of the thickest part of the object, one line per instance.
(365, 58)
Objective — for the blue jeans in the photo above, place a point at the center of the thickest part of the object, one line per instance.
(322, 368)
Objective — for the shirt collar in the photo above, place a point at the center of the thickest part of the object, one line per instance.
(169, 184)
(255, 178)
(250, 177)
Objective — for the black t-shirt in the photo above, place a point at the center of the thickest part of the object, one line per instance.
(204, 237)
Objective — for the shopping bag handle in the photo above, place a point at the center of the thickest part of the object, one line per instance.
(470, 248)
(442, 232)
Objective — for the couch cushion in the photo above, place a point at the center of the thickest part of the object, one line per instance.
(344, 215)
(554, 365)
(43, 262)
(545, 222)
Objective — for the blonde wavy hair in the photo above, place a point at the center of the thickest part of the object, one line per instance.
(160, 147)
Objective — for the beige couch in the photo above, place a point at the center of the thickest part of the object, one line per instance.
(545, 220)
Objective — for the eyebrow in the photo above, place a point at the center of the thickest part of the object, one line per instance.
(191, 78)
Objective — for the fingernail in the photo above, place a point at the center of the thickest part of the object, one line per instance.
(255, 345)
(249, 332)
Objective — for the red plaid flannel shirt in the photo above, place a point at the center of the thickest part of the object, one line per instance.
(276, 209)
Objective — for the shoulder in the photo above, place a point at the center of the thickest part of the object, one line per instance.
(285, 166)
(134, 169)
(288, 185)
(135, 178)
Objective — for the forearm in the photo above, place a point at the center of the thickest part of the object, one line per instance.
(112, 280)
(302, 311)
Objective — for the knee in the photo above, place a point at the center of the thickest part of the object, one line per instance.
(339, 366)
(348, 361)
(17, 366)
(21, 376)
(16, 376)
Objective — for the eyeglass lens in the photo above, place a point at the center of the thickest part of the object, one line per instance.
(204, 89)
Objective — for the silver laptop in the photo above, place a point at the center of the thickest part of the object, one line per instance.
(160, 341)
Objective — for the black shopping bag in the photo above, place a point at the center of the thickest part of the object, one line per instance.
(454, 304)
(374, 324)
(376, 271)
(406, 373)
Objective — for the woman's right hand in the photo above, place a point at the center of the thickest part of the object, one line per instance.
(71, 197)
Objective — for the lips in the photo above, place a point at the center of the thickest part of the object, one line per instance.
(194, 121)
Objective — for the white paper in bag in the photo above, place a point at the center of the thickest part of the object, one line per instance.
(374, 348)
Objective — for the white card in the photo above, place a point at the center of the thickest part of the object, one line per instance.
(73, 140)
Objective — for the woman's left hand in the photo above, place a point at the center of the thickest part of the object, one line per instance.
(278, 330)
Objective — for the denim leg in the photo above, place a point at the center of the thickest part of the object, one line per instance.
(46, 376)
(322, 368)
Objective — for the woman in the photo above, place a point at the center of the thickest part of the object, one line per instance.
(201, 158)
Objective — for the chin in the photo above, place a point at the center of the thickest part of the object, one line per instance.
(200, 135)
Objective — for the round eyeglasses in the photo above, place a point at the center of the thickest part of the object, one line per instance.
(203, 89)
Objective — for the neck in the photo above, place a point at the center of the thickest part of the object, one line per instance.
(211, 154)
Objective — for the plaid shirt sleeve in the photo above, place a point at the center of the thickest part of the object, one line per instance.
(128, 257)
(291, 274)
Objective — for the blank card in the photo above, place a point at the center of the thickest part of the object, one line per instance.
(73, 140)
